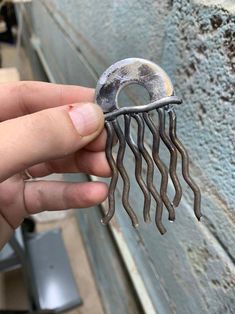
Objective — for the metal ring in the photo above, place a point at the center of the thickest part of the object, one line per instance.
(131, 71)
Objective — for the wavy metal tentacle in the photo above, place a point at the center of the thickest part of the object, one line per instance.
(162, 168)
(185, 164)
(114, 179)
(173, 157)
(138, 169)
(150, 172)
(123, 173)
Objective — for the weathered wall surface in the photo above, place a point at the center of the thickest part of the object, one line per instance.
(199, 54)
(191, 268)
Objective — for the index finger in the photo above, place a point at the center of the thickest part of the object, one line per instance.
(21, 98)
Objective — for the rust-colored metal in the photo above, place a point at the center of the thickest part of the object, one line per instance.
(114, 170)
(160, 165)
(185, 164)
(173, 157)
(138, 169)
(160, 89)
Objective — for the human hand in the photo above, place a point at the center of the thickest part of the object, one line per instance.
(48, 128)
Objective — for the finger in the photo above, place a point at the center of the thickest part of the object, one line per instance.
(53, 195)
(99, 143)
(94, 163)
(49, 134)
(6, 232)
(22, 98)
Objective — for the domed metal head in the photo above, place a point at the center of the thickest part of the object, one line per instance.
(131, 71)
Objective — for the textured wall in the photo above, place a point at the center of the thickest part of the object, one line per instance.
(199, 54)
(191, 269)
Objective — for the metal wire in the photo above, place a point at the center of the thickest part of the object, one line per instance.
(185, 164)
(138, 169)
(173, 157)
(150, 173)
(144, 108)
(114, 178)
(123, 173)
(162, 168)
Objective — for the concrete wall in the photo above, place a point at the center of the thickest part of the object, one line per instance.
(191, 269)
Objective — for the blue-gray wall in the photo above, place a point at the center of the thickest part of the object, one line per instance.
(191, 268)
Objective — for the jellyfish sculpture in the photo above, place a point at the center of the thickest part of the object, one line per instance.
(162, 99)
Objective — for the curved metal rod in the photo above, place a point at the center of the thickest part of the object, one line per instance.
(144, 108)
(114, 179)
(173, 157)
(138, 169)
(123, 173)
(162, 168)
(150, 172)
(185, 164)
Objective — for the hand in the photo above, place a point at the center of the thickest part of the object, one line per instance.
(48, 128)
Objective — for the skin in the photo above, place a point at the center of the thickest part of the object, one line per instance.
(38, 134)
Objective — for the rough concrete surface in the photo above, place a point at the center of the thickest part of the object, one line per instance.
(199, 54)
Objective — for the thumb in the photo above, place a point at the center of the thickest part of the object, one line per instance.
(46, 135)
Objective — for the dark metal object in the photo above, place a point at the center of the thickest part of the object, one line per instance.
(48, 277)
(145, 108)
(185, 164)
(53, 285)
(161, 167)
(173, 157)
(150, 172)
(138, 168)
(160, 89)
(114, 169)
(124, 175)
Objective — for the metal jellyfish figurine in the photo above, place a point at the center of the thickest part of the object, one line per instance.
(161, 93)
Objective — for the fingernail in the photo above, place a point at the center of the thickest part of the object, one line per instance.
(86, 118)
